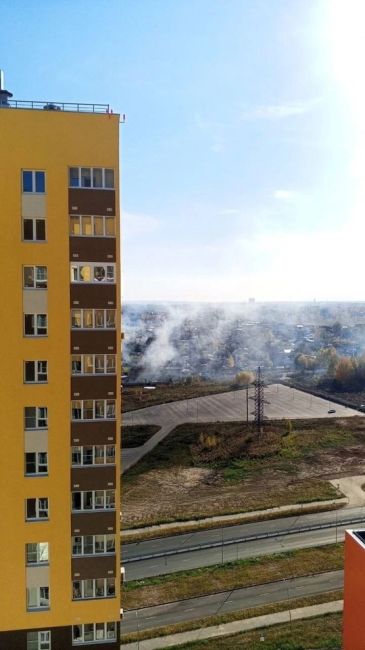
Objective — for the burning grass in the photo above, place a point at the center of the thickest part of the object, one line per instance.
(136, 397)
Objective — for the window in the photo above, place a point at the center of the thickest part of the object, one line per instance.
(93, 318)
(93, 588)
(88, 409)
(92, 226)
(36, 553)
(35, 324)
(37, 508)
(91, 177)
(93, 272)
(34, 181)
(87, 632)
(35, 372)
(93, 500)
(34, 229)
(93, 455)
(36, 462)
(38, 598)
(35, 417)
(39, 640)
(35, 277)
(94, 364)
(93, 544)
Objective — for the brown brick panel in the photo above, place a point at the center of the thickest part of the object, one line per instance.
(93, 478)
(92, 430)
(61, 638)
(93, 523)
(102, 296)
(91, 437)
(92, 249)
(101, 566)
(87, 201)
(93, 341)
(94, 387)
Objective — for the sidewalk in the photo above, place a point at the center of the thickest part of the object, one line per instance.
(236, 626)
(241, 516)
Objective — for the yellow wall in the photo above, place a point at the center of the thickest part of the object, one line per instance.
(50, 141)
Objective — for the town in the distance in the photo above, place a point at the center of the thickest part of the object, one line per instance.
(243, 467)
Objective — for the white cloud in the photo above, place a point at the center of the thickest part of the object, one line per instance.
(229, 211)
(279, 111)
(138, 224)
(285, 195)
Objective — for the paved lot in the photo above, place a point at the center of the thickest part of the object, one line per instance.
(283, 402)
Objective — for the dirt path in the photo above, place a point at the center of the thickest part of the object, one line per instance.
(350, 486)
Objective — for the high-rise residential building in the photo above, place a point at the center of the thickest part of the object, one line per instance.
(60, 353)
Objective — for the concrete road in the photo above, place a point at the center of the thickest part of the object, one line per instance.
(177, 552)
(284, 402)
(229, 534)
(229, 601)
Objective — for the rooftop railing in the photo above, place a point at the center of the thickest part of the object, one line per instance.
(57, 106)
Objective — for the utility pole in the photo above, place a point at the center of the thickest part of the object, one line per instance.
(259, 400)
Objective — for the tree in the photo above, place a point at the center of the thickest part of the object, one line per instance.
(244, 378)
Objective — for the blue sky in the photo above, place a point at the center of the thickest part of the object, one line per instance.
(242, 163)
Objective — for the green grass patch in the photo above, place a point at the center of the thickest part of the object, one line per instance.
(235, 616)
(137, 435)
(231, 575)
(321, 633)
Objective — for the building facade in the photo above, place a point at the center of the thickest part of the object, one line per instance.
(354, 594)
(60, 516)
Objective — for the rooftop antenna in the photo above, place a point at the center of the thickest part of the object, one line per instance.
(4, 94)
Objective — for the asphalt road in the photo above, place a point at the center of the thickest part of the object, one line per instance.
(283, 402)
(177, 552)
(230, 601)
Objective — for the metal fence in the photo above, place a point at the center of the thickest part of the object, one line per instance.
(57, 106)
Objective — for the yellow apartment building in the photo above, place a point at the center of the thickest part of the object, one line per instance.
(60, 352)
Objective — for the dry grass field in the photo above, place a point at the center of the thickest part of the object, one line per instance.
(204, 469)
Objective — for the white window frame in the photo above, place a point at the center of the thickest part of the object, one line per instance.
(108, 537)
(91, 187)
(108, 405)
(38, 283)
(41, 415)
(109, 635)
(41, 505)
(43, 640)
(41, 554)
(81, 449)
(94, 358)
(38, 463)
(34, 229)
(83, 313)
(82, 588)
(34, 172)
(36, 325)
(40, 596)
(38, 372)
(109, 270)
(92, 217)
(99, 500)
